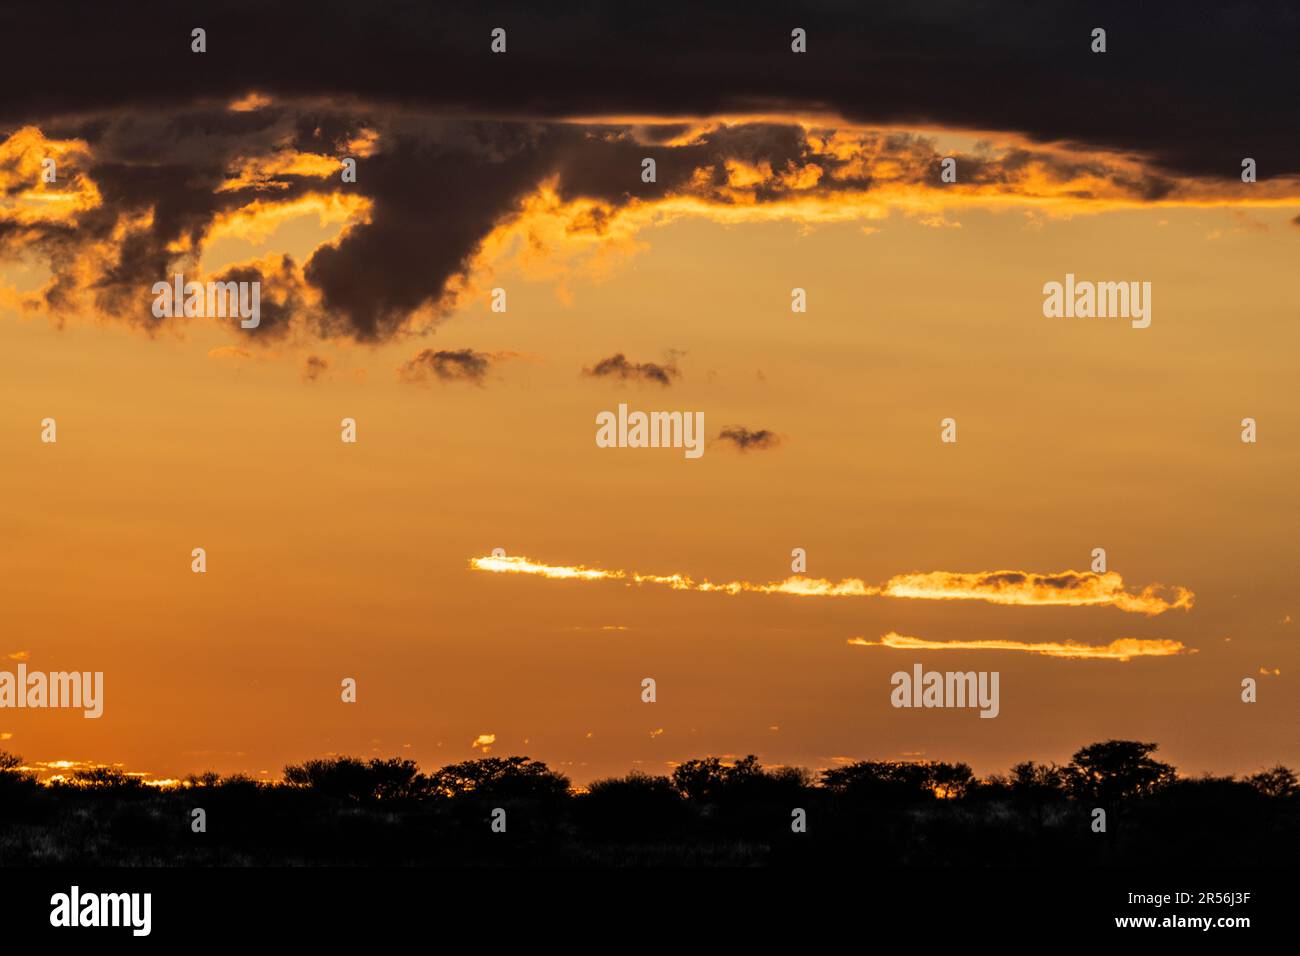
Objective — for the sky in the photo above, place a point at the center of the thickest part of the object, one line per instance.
(476, 427)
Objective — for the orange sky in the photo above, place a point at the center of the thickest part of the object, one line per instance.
(328, 560)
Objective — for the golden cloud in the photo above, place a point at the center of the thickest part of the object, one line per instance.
(1069, 588)
(1123, 649)
(1020, 588)
(26, 198)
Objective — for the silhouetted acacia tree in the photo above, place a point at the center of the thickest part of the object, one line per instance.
(637, 806)
(1116, 770)
(358, 781)
(514, 777)
(894, 781)
(16, 785)
(1035, 786)
(1278, 782)
(950, 780)
(709, 780)
(10, 763)
(348, 809)
(700, 780)
(105, 778)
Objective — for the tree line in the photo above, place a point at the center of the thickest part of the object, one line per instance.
(509, 810)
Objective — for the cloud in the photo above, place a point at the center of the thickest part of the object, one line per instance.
(522, 565)
(462, 365)
(20, 656)
(249, 102)
(617, 366)
(439, 201)
(229, 353)
(460, 152)
(281, 296)
(804, 587)
(744, 439)
(314, 367)
(26, 199)
(483, 742)
(1021, 588)
(1123, 649)
(1069, 588)
(966, 65)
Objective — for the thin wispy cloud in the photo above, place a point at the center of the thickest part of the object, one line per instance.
(1122, 649)
(1018, 588)
(1069, 588)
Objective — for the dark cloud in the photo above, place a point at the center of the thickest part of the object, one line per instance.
(280, 298)
(434, 202)
(1003, 578)
(314, 367)
(1197, 91)
(463, 365)
(1066, 582)
(464, 136)
(617, 366)
(434, 189)
(159, 179)
(745, 439)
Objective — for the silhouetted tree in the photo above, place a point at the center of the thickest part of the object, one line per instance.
(16, 785)
(708, 781)
(347, 778)
(516, 777)
(1037, 781)
(1033, 787)
(709, 811)
(241, 781)
(950, 780)
(894, 781)
(794, 778)
(396, 779)
(1116, 770)
(105, 778)
(1278, 782)
(638, 806)
(700, 780)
